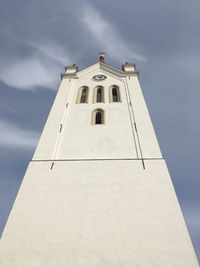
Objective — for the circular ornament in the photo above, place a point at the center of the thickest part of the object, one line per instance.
(99, 77)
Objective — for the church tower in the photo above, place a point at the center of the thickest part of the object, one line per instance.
(97, 192)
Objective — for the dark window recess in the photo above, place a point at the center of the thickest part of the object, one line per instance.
(115, 94)
(98, 118)
(83, 96)
(99, 95)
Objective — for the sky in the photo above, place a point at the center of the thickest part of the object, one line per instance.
(39, 38)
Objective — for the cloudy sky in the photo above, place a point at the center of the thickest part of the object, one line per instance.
(39, 38)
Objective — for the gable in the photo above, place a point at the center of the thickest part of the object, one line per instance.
(101, 68)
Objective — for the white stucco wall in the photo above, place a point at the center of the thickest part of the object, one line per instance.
(96, 213)
(117, 138)
(97, 205)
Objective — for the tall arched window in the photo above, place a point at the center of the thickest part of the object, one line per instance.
(82, 95)
(98, 96)
(98, 116)
(114, 94)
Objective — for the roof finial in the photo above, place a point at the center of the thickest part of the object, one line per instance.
(101, 57)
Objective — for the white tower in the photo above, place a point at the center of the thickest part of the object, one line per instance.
(97, 192)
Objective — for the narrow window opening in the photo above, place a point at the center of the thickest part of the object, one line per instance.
(115, 94)
(83, 96)
(99, 95)
(98, 118)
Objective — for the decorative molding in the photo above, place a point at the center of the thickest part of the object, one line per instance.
(68, 76)
(118, 72)
(107, 68)
(99, 77)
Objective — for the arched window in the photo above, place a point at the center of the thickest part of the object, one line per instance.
(98, 116)
(114, 94)
(98, 96)
(82, 95)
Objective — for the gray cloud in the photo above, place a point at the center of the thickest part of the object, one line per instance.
(40, 68)
(14, 136)
(39, 37)
(34, 59)
(104, 34)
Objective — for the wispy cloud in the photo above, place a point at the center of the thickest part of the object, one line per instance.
(37, 61)
(26, 73)
(52, 50)
(106, 35)
(41, 68)
(14, 136)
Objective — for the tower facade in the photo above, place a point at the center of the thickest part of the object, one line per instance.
(97, 191)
